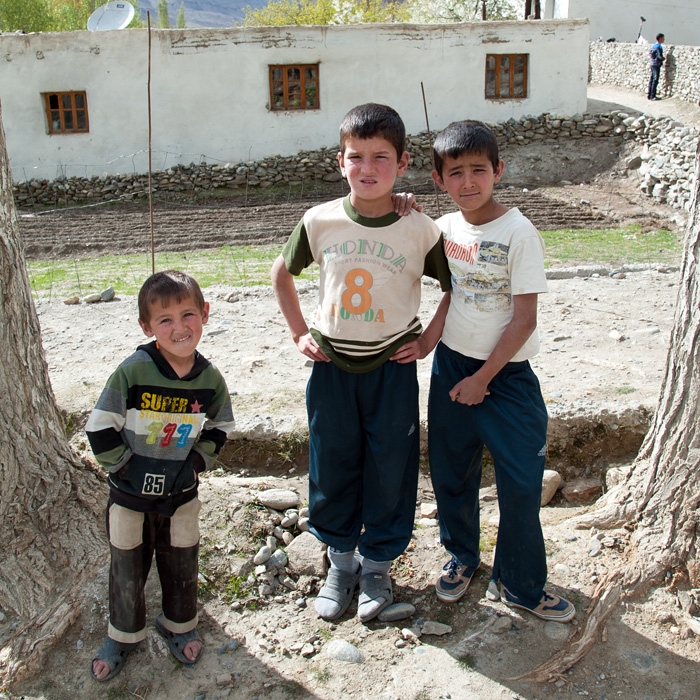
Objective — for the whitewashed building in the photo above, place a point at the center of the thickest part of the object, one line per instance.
(621, 19)
(76, 103)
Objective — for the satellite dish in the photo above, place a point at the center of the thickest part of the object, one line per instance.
(113, 15)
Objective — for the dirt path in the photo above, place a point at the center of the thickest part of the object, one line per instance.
(604, 342)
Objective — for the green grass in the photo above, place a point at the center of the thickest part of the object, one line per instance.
(615, 246)
(235, 266)
(245, 266)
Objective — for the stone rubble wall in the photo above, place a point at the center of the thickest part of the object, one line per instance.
(666, 154)
(627, 65)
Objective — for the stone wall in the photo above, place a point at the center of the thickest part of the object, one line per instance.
(627, 65)
(665, 157)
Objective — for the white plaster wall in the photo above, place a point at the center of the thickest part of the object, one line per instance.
(210, 89)
(679, 21)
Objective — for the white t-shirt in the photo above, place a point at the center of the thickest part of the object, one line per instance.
(489, 264)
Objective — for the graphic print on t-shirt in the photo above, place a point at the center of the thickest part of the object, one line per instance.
(365, 267)
(480, 274)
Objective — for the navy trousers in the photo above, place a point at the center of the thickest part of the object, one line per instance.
(363, 457)
(512, 423)
(654, 81)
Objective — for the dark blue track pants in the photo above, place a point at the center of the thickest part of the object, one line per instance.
(512, 423)
(363, 457)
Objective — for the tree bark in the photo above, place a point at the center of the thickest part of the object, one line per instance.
(660, 498)
(49, 498)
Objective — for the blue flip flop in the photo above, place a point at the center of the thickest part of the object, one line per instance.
(178, 642)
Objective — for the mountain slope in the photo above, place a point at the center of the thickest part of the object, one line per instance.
(202, 13)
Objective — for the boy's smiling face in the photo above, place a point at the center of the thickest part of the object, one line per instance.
(371, 167)
(177, 327)
(469, 179)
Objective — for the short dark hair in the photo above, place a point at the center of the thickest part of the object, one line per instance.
(659, 37)
(168, 286)
(465, 137)
(368, 120)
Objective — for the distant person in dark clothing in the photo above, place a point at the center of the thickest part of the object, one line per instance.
(656, 53)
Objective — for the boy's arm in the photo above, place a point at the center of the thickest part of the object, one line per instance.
(423, 345)
(106, 422)
(472, 390)
(288, 300)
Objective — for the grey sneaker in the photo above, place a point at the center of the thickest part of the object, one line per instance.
(454, 581)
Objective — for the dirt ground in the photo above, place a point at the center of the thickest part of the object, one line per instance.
(604, 343)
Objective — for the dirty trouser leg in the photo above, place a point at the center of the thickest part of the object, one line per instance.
(131, 549)
(177, 558)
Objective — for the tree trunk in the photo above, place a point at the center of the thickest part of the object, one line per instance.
(660, 498)
(528, 8)
(49, 499)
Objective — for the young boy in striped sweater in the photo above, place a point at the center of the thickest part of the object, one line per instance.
(160, 421)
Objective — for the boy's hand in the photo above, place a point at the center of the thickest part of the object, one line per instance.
(309, 347)
(410, 352)
(470, 391)
(403, 203)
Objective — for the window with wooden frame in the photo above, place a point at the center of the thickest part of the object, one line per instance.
(294, 87)
(67, 112)
(506, 76)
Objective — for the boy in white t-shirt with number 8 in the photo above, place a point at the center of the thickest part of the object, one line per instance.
(362, 396)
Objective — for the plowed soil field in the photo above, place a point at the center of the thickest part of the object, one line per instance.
(188, 224)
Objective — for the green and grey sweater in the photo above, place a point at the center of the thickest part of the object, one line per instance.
(154, 431)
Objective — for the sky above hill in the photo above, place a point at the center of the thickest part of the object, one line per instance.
(202, 13)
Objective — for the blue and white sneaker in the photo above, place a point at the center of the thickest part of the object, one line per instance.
(453, 583)
(551, 607)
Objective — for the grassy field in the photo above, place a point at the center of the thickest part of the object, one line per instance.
(242, 266)
(614, 247)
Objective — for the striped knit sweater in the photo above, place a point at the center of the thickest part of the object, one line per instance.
(154, 431)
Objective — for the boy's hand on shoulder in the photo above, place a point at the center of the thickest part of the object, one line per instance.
(410, 352)
(470, 391)
(403, 203)
(309, 347)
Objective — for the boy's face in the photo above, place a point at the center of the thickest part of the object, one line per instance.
(371, 167)
(469, 179)
(177, 327)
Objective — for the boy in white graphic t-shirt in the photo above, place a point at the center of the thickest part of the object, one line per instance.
(483, 391)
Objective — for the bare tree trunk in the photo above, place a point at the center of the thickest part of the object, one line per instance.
(528, 8)
(537, 9)
(49, 499)
(660, 499)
